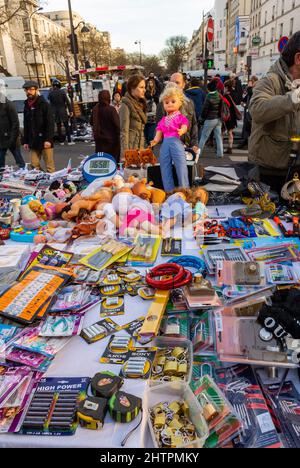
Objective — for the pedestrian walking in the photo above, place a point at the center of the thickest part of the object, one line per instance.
(133, 115)
(198, 96)
(9, 132)
(106, 126)
(62, 111)
(38, 128)
(231, 123)
(211, 115)
(247, 125)
(275, 111)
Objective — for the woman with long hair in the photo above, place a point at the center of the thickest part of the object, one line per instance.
(106, 126)
(133, 115)
(231, 124)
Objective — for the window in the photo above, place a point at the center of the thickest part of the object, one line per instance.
(291, 26)
(281, 30)
(27, 37)
(266, 17)
(282, 7)
(220, 23)
(243, 34)
(272, 34)
(259, 19)
(273, 12)
(25, 22)
(265, 37)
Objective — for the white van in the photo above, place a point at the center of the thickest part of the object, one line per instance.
(13, 89)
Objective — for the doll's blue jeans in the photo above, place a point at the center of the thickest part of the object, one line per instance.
(172, 152)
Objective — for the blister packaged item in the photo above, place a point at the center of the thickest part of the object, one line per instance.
(214, 255)
(11, 379)
(100, 330)
(177, 302)
(117, 350)
(7, 333)
(175, 326)
(200, 294)
(171, 247)
(244, 393)
(71, 298)
(145, 251)
(31, 341)
(223, 424)
(173, 361)
(25, 299)
(283, 274)
(240, 274)
(35, 361)
(138, 363)
(240, 338)
(112, 306)
(49, 256)
(11, 417)
(202, 333)
(175, 417)
(205, 365)
(110, 252)
(275, 254)
(52, 410)
(62, 325)
(134, 327)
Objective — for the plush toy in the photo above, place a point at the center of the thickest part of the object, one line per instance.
(107, 226)
(60, 192)
(29, 219)
(141, 190)
(38, 208)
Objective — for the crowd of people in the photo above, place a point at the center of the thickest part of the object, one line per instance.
(143, 112)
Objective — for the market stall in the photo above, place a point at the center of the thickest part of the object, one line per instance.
(133, 318)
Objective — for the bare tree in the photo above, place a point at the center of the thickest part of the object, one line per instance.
(97, 49)
(8, 11)
(58, 47)
(174, 53)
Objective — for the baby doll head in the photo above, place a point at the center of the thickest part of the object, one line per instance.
(172, 99)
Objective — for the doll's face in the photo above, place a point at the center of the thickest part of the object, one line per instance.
(172, 104)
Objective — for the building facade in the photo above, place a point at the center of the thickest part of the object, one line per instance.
(22, 45)
(278, 18)
(238, 18)
(220, 18)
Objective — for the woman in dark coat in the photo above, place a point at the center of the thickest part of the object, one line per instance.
(231, 124)
(106, 126)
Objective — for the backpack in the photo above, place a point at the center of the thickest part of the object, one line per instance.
(225, 109)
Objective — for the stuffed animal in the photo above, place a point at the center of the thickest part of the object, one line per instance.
(60, 192)
(38, 208)
(29, 219)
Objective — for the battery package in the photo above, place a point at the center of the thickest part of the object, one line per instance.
(106, 384)
(124, 408)
(91, 413)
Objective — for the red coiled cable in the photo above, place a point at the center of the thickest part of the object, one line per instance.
(180, 277)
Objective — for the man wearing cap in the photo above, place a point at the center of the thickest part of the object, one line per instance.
(38, 128)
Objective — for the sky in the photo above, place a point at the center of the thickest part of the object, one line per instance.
(148, 21)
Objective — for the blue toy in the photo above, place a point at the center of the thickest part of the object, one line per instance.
(20, 234)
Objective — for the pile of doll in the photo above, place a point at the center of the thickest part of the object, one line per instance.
(112, 208)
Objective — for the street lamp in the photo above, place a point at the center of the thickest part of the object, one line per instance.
(32, 45)
(140, 43)
(74, 47)
(84, 30)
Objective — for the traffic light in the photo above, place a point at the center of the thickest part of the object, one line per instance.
(210, 64)
(76, 51)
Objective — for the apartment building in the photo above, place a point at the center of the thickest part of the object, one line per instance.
(22, 45)
(277, 18)
(220, 41)
(238, 19)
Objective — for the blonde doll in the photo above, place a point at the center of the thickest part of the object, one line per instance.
(171, 128)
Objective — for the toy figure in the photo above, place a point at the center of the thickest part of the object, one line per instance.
(172, 128)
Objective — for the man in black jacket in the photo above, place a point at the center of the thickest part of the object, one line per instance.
(62, 110)
(38, 127)
(9, 132)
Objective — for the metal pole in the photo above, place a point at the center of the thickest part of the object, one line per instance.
(34, 51)
(74, 46)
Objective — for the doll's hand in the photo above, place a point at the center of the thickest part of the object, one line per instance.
(182, 130)
(153, 143)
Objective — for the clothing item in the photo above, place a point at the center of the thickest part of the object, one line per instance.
(198, 96)
(275, 119)
(38, 124)
(106, 127)
(60, 104)
(9, 124)
(133, 120)
(170, 125)
(149, 132)
(47, 154)
(190, 139)
(231, 124)
(16, 152)
(172, 151)
(237, 92)
(209, 127)
(212, 106)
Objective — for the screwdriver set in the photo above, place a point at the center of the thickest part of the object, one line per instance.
(214, 256)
